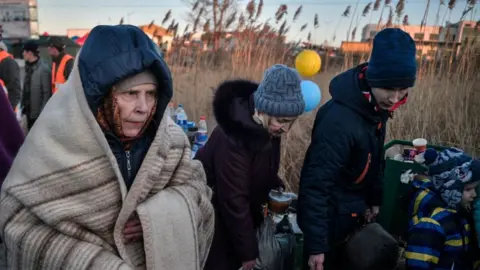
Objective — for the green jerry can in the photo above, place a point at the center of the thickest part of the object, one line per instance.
(393, 216)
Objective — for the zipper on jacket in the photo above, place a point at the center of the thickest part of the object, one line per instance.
(129, 164)
(365, 170)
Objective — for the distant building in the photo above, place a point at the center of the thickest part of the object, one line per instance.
(77, 32)
(464, 33)
(356, 46)
(418, 33)
(159, 35)
(461, 32)
(430, 40)
(18, 20)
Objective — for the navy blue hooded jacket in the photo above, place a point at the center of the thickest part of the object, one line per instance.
(343, 166)
(110, 54)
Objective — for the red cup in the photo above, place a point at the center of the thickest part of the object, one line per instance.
(420, 145)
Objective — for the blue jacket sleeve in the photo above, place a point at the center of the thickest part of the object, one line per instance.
(425, 243)
(327, 155)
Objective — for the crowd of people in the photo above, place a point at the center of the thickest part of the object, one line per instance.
(40, 81)
(105, 179)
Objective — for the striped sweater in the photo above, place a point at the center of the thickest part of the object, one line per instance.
(438, 238)
(64, 203)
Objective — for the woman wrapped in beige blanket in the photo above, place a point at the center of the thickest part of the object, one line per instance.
(104, 179)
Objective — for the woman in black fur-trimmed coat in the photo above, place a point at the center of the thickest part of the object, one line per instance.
(242, 158)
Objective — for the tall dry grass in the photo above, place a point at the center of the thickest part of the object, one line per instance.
(443, 107)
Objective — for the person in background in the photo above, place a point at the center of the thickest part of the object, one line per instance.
(10, 76)
(440, 234)
(341, 179)
(105, 179)
(242, 158)
(37, 87)
(11, 136)
(62, 63)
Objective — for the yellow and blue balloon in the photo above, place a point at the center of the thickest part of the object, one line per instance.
(311, 95)
(308, 63)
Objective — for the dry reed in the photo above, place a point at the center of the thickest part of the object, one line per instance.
(443, 107)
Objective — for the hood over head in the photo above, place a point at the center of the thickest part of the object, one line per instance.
(449, 171)
(346, 89)
(113, 53)
(234, 107)
(426, 197)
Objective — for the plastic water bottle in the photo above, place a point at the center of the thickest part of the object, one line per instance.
(179, 110)
(182, 119)
(170, 111)
(195, 148)
(201, 136)
(202, 133)
(202, 124)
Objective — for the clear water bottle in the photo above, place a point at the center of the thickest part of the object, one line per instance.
(202, 133)
(202, 124)
(179, 110)
(195, 148)
(182, 119)
(170, 111)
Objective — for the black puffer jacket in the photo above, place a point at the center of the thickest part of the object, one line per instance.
(343, 166)
(10, 74)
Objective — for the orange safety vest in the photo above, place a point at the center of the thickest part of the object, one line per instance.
(3, 55)
(2, 84)
(57, 75)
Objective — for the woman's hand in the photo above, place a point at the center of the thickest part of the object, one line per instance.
(372, 213)
(133, 230)
(315, 262)
(248, 265)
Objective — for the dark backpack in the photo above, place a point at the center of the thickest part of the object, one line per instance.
(372, 247)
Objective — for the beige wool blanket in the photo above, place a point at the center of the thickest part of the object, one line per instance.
(64, 203)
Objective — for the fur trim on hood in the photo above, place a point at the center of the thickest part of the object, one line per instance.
(233, 108)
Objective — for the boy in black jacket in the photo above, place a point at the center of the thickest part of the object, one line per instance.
(343, 169)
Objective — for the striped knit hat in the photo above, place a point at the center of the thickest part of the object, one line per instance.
(450, 170)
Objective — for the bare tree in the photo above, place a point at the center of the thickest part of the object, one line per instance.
(220, 15)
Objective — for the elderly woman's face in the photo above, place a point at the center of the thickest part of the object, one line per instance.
(279, 125)
(135, 107)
